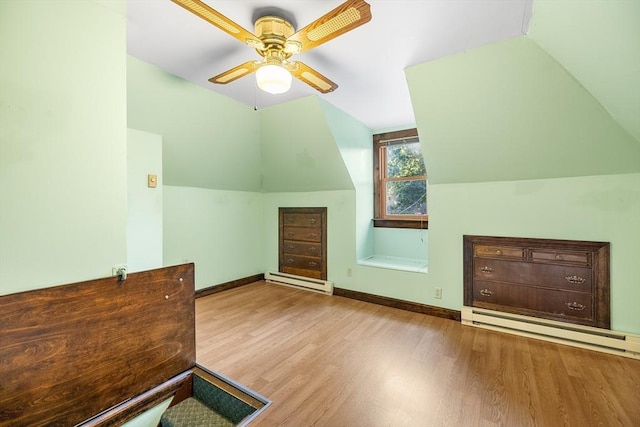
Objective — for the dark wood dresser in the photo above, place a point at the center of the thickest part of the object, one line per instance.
(562, 280)
(303, 242)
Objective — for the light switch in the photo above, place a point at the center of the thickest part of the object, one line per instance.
(152, 181)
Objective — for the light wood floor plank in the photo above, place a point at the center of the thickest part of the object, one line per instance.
(331, 361)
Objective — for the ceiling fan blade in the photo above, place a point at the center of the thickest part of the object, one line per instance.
(349, 15)
(311, 77)
(235, 73)
(214, 17)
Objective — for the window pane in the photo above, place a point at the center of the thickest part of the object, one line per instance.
(407, 197)
(405, 160)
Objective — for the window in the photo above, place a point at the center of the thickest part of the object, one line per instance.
(400, 180)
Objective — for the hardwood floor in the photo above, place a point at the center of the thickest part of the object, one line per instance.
(332, 361)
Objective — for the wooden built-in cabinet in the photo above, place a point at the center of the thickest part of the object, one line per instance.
(303, 242)
(561, 280)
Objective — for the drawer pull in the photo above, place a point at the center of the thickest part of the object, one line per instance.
(313, 264)
(314, 235)
(574, 306)
(291, 234)
(486, 292)
(289, 220)
(575, 279)
(313, 249)
(290, 247)
(498, 252)
(312, 221)
(291, 261)
(486, 269)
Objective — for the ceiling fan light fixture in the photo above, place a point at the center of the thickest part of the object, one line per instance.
(273, 79)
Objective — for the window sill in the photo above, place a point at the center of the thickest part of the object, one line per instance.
(401, 223)
(413, 265)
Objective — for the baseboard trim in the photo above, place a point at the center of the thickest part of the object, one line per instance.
(400, 304)
(228, 285)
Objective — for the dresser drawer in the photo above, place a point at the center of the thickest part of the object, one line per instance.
(302, 219)
(308, 234)
(305, 272)
(567, 277)
(561, 257)
(534, 301)
(500, 252)
(301, 261)
(302, 248)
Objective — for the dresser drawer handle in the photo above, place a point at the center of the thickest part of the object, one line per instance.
(486, 269)
(291, 261)
(498, 252)
(289, 220)
(313, 264)
(291, 234)
(314, 235)
(313, 249)
(574, 306)
(291, 247)
(312, 221)
(486, 292)
(575, 279)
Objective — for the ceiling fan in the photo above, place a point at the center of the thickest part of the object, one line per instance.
(276, 42)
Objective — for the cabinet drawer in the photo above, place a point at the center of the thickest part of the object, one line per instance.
(535, 301)
(308, 234)
(490, 251)
(561, 257)
(568, 277)
(302, 248)
(302, 219)
(301, 261)
(314, 274)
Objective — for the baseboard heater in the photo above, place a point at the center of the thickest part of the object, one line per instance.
(588, 337)
(307, 283)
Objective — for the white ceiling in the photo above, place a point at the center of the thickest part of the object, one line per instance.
(367, 63)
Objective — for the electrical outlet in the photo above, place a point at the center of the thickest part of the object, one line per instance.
(437, 293)
(349, 272)
(115, 270)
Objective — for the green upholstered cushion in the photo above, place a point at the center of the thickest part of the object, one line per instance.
(222, 402)
(193, 413)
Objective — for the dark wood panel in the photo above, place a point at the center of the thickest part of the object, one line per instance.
(301, 261)
(304, 272)
(528, 273)
(69, 352)
(303, 219)
(302, 241)
(554, 268)
(302, 248)
(307, 234)
(574, 306)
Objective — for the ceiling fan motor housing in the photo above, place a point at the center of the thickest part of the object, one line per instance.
(274, 32)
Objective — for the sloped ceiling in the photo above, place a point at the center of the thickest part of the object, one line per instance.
(598, 42)
(512, 111)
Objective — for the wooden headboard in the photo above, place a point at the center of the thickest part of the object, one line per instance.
(70, 352)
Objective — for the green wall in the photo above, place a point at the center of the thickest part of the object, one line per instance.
(208, 140)
(299, 152)
(508, 111)
(63, 153)
(597, 42)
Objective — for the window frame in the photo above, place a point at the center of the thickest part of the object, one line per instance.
(380, 219)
